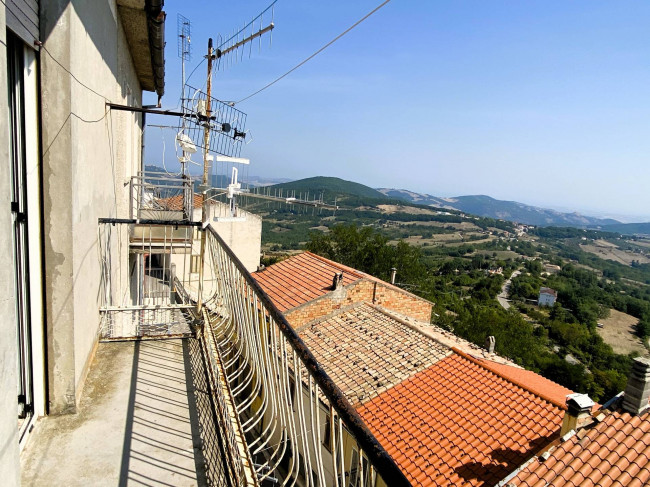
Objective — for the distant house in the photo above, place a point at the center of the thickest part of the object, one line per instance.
(547, 297)
(552, 268)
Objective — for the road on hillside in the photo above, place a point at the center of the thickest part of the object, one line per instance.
(503, 295)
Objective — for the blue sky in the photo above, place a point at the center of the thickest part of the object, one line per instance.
(543, 102)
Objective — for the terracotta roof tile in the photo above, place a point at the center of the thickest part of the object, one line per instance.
(460, 423)
(553, 392)
(301, 278)
(175, 203)
(366, 352)
(615, 451)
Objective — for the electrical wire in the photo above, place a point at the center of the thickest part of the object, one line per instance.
(190, 75)
(70, 73)
(163, 155)
(316, 53)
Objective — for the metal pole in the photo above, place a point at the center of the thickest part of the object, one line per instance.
(204, 183)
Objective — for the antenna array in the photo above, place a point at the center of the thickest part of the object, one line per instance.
(226, 124)
(184, 28)
(232, 49)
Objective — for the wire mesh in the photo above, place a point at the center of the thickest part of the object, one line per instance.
(184, 29)
(145, 270)
(281, 419)
(226, 125)
(163, 196)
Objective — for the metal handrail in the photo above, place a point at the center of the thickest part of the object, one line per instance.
(375, 452)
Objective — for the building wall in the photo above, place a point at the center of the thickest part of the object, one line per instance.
(546, 300)
(9, 456)
(364, 290)
(89, 154)
(243, 236)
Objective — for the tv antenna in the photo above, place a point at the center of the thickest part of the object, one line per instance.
(233, 48)
(217, 119)
(184, 28)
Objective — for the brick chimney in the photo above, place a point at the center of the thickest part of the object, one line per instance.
(578, 412)
(635, 399)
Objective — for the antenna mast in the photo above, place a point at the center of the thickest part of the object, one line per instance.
(210, 123)
(184, 28)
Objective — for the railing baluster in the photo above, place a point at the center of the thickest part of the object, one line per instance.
(261, 372)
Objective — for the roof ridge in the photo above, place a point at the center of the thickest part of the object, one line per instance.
(365, 275)
(336, 312)
(344, 267)
(516, 382)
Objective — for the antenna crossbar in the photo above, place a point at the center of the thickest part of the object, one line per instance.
(254, 36)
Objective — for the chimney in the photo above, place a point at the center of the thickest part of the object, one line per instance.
(393, 273)
(335, 281)
(635, 399)
(490, 342)
(578, 412)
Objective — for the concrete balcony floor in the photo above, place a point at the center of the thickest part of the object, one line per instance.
(138, 422)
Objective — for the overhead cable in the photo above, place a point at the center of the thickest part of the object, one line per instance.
(316, 53)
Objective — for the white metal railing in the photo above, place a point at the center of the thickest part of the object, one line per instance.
(142, 267)
(161, 196)
(281, 418)
(298, 426)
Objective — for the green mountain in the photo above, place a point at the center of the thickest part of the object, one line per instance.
(628, 228)
(330, 188)
(487, 206)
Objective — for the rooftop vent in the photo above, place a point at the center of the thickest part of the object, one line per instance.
(635, 399)
(578, 412)
(337, 280)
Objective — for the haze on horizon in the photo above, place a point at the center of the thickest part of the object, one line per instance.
(542, 102)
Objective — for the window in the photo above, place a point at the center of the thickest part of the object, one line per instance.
(354, 469)
(354, 479)
(195, 264)
(327, 437)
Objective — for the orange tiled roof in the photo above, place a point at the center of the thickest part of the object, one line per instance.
(302, 278)
(543, 387)
(459, 423)
(366, 352)
(614, 452)
(175, 203)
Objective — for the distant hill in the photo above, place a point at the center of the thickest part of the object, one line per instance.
(487, 206)
(330, 188)
(222, 180)
(628, 228)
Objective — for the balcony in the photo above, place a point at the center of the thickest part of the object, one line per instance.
(139, 422)
(200, 380)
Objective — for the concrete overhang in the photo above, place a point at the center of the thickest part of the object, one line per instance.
(144, 26)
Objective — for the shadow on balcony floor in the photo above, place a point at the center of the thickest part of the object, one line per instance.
(137, 423)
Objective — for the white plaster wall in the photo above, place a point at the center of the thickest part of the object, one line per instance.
(93, 153)
(545, 300)
(9, 456)
(103, 156)
(243, 236)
